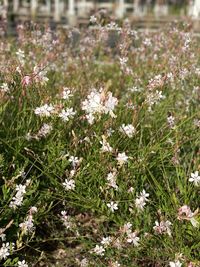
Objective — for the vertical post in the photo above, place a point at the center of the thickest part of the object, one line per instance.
(5, 10)
(161, 8)
(196, 15)
(5, 3)
(71, 12)
(71, 9)
(165, 8)
(48, 5)
(62, 7)
(136, 8)
(190, 8)
(57, 10)
(82, 8)
(157, 8)
(15, 5)
(33, 8)
(120, 9)
(196, 9)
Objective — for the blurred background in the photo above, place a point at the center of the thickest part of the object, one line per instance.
(142, 13)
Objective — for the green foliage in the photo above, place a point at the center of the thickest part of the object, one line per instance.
(161, 156)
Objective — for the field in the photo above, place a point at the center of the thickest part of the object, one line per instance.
(99, 147)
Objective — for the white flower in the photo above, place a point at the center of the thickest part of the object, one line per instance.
(141, 200)
(106, 241)
(44, 131)
(195, 178)
(33, 210)
(74, 160)
(175, 264)
(21, 189)
(105, 145)
(134, 89)
(185, 213)
(133, 238)
(20, 55)
(65, 115)
(63, 213)
(113, 26)
(93, 103)
(140, 203)
(130, 190)
(129, 130)
(194, 222)
(110, 131)
(144, 195)
(170, 76)
(171, 121)
(90, 118)
(27, 226)
(22, 264)
(2, 236)
(157, 81)
(29, 136)
(4, 88)
(67, 220)
(110, 104)
(4, 251)
(72, 173)
(84, 262)
(122, 158)
(127, 228)
(66, 93)
(28, 181)
(69, 184)
(123, 60)
(113, 206)
(99, 250)
(163, 227)
(18, 198)
(197, 123)
(99, 103)
(115, 264)
(111, 178)
(44, 111)
(40, 74)
(153, 98)
(93, 19)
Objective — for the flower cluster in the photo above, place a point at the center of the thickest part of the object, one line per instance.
(162, 227)
(27, 226)
(99, 103)
(66, 114)
(153, 98)
(42, 133)
(111, 180)
(19, 196)
(129, 130)
(45, 110)
(67, 220)
(185, 213)
(141, 200)
(105, 145)
(83, 115)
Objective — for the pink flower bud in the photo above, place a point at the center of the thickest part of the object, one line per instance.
(26, 80)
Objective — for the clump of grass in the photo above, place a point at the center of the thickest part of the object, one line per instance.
(99, 147)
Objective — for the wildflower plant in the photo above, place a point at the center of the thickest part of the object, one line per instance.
(99, 146)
